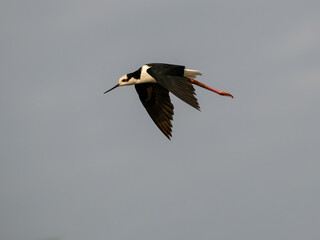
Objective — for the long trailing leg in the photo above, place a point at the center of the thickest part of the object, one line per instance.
(191, 80)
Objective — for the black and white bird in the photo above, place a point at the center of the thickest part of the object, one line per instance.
(153, 83)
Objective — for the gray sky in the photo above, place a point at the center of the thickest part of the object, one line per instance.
(77, 164)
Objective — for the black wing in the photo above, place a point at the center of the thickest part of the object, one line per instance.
(171, 77)
(157, 102)
(167, 69)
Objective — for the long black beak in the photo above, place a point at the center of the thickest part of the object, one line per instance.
(112, 88)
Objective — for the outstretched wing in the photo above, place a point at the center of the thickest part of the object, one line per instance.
(172, 78)
(157, 102)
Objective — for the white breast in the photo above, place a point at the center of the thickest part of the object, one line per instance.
(145, 76)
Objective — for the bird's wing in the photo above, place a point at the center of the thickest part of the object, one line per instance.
(157, 102)
(171, 78)
(167, 69)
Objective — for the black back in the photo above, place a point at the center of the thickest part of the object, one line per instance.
(172, 78)
(166, 69)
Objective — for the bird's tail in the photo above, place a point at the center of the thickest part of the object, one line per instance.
(189, 73)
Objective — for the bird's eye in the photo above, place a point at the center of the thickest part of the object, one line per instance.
(125, 80)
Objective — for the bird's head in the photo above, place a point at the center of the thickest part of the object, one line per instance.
(127, 80)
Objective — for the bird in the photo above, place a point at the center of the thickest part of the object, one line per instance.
(154, 81)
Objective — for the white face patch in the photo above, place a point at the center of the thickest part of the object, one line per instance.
(125, 81)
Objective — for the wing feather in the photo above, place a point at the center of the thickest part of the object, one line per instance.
(156, 100)
(172, 78)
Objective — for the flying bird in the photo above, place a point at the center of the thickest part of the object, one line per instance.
(153, 83)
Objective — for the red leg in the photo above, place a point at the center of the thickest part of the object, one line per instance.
(191, 80)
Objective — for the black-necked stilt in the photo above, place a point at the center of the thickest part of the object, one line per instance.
(153, 83)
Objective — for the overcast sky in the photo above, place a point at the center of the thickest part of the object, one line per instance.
(77, 164)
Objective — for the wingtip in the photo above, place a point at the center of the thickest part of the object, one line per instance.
(167, 134)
